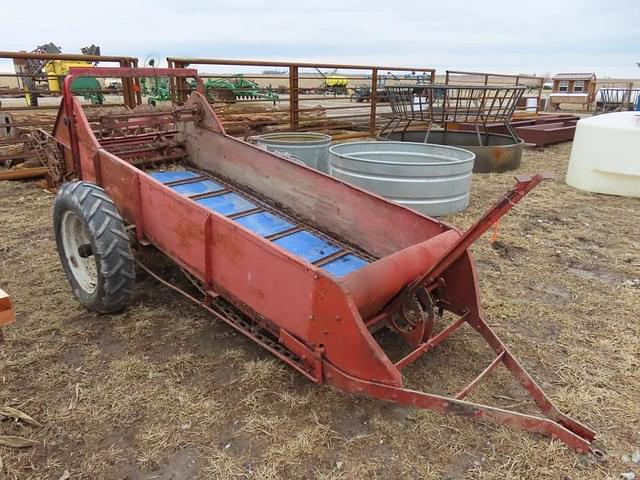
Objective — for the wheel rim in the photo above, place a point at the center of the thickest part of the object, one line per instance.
(77, 249)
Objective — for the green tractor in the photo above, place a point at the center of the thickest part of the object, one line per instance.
(156, 89)
(236, 88)
(89, 88)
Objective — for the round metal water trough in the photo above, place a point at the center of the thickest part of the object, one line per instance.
(432, 179)
(312, 148)
(499, 154)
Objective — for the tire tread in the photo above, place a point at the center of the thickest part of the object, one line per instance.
(110, 242)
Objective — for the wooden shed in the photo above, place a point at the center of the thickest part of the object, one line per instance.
(573, 88)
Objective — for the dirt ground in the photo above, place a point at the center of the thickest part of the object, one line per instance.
(163, 391)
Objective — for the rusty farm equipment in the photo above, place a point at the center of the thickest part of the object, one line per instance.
(307, 266)
(7, 314)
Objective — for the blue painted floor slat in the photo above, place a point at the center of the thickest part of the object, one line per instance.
(344, 265)
(302, 243)
(264, 223)
(227, 204)
(196, 188)
(307, 245)
(173, 176)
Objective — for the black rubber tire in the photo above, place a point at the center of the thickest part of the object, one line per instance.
(110, 246)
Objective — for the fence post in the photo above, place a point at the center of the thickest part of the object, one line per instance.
(136, 85)
(178, 84)
(127, 86)
(374, 99)
(294, 98)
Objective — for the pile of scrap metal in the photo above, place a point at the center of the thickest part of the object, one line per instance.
(18, 145)
(242, 119)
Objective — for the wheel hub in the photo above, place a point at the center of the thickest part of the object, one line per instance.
(77, 248)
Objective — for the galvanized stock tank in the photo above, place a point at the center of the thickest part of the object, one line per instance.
(310, 147)
(498, 153)
(432, 179)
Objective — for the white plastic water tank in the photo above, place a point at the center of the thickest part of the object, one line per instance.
(605, 156)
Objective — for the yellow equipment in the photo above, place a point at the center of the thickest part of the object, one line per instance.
(58, 69)
(34, 72)
(336, 81)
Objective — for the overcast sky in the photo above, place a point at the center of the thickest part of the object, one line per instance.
(508, 36)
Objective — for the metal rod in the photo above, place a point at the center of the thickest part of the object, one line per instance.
(63, 56)
(24, 173)
(264, 63)
(230, 322)
(466, 390)
(428, 345)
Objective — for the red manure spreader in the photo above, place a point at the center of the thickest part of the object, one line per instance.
(307, 266)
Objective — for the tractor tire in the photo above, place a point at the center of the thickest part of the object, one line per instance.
(94, 247)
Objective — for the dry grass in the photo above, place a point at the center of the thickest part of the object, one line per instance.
(163, 391)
